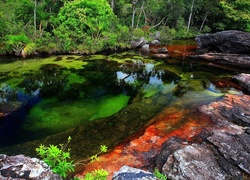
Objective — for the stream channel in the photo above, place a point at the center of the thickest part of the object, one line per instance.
(103, 98)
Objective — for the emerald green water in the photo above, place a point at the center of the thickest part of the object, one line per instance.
(99, 99)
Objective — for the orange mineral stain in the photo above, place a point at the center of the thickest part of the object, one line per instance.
(136, 152)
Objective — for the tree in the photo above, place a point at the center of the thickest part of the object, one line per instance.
(237, 14)
(83, 21)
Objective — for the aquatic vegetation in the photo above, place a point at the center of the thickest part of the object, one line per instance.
(110, 105)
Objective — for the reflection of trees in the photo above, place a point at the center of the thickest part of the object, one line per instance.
(139, 74)
(46, 82)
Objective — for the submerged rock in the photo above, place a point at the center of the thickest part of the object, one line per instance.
(9, 107)
(22, 167)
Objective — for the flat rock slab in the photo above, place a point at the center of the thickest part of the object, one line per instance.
(230, 133)
(239, 60)
(222, 150)
(193, 162)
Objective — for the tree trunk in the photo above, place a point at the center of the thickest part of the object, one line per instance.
(133, 12)
(203, 22)
(35, 18)
(112, 4)
(139, 17)
(190, 16)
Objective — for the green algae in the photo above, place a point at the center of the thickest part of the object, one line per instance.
(101, 93)
(49, 116)
(21, 68)
(110, 105)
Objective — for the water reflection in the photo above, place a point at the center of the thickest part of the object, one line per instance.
(79, 90)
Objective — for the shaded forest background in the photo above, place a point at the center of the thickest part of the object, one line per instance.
(90, 26)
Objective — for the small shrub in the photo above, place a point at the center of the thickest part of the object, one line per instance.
(57, 158)
(159, 175)
(98, 174)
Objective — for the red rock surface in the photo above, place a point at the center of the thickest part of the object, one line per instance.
(146, 144)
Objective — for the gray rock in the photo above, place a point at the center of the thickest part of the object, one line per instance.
(232, 41)
(145, 48)
(138, 43)
(21, 167)
(193, 162)
(155, 42)
(240, 60)
(163, 50)
(229, 134)
(129, 173)
(243, 79)
(233, 147)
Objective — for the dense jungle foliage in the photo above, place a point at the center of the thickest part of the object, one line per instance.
(89, 26)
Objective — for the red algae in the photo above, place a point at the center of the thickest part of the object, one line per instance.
(145, 146)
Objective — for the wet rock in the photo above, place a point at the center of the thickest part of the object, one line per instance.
(22, 167)
(229, 134)
(227, 47)
(232, 108)
(168, 148)
(232, 41)
(193, 162)
(129, 173)
(233, 147)
(9, 107)
(240, 60)
(244, 80)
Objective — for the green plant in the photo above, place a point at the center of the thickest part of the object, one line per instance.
(98, 174)
(159, 175)
(57, 158)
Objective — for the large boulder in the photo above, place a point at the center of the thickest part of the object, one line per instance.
(224, 149)
(22, 167)
(230, 133)
(226, 47)
(232, 41)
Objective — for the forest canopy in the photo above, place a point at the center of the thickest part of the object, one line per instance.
(89, 26)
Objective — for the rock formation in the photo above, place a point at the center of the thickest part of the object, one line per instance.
(232, 42)
(152, 48)
(227, 47)
(22, 167)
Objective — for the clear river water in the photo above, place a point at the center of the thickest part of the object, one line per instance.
(108, 96)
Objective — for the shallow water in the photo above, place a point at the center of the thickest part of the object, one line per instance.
(103, 92)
